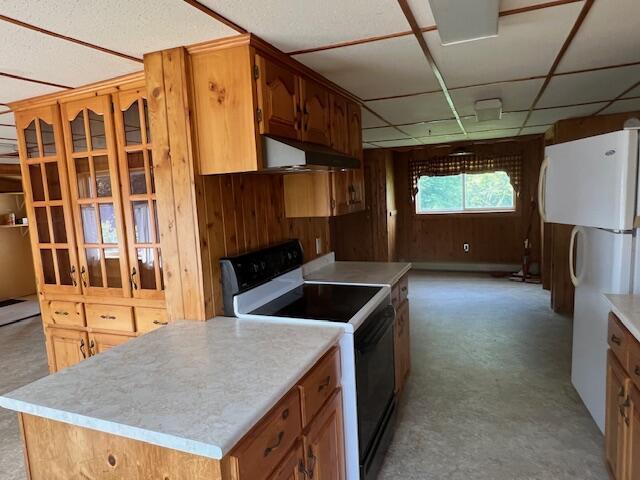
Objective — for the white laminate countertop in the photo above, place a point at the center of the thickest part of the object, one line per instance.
(377, 273)
(197, 387)
(627, 309)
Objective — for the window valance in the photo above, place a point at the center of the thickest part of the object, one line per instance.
(446, 165)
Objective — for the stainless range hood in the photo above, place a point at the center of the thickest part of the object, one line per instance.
(283, 154)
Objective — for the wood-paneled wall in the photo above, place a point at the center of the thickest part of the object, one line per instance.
(557, 239)
(246, 212)
(495, 238)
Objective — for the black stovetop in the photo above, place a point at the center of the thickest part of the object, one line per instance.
(320, 301)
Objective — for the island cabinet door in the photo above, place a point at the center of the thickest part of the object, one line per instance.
(633, 450)
(67, 347)
(48, 206)
(95, 191)
(292, 467)
(616, 417)
(324, 442)
(278, 99)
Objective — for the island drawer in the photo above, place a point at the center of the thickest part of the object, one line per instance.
(110, 317)
(66, 313)
(319, 384)
(260, 451)
(618, 339)
(634, 362)
(148, 319)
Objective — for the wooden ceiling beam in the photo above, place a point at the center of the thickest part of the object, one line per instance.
(565, 46)
(44, 31)
(215, 15)
(430, 60)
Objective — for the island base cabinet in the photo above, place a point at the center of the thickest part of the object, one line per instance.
(615, 416)
(58, 451)
(292, 467)
(633, 467)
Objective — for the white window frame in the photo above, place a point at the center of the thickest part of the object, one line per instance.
(464, 210)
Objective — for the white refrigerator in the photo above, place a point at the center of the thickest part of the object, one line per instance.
(593, 183)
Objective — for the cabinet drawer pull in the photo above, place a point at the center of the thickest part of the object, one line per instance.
(61, 312)
(92, 347)
(324, 384)
(158, 322)
(107, 317)
(404, 289)
(270, 449)
(616, 340)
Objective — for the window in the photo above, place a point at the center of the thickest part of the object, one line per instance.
(465, 192)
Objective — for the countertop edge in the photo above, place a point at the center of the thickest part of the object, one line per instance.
(633, 329)
(404, 267)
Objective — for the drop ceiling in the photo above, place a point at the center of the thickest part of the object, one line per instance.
(551, 59)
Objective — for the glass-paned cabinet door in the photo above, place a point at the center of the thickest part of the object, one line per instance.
(95, 190)
(139, 193)
(46, 186)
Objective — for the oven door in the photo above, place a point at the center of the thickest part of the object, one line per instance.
(375, 375)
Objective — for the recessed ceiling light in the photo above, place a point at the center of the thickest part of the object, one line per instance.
(461, 21)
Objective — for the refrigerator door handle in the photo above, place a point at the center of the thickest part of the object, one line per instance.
(542, 180)
(575, 279)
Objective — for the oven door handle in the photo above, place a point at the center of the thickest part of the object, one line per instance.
(371, 340)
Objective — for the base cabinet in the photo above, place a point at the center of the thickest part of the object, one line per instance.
(67, 347)
(402, 333)
(292, 467)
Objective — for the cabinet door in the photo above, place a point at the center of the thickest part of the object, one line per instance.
(101, 342)
(292, 467)
(316, 113)
(324, 443)
(67, 347)
(95, 190)
(339, 124)
(139, 194)
(356, 189)
(616, 395)
(278, 99)
(48, 206)
(633, 450)
(355, 130)
(340, 193)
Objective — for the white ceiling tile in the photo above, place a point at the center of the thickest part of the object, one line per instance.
(397, 143)
(128, 27)
(535, 129)
(551, 115)
(442, 139)
(514, 95)
(494, 134)
(514, 4)
(12, 89)
(608, 36)
(508, 120)
(33, 55)
(370, 120)
(6, 117)
(413, 109)
(432, 129)
(377, 69)
(525, 47)
(589, 86)
(628, 105)
(7, 132)
(422, 12)
(633, 93)
(381, 133)
(296, 25)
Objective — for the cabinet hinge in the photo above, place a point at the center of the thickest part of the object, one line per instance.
(256, 72)
(259, 114)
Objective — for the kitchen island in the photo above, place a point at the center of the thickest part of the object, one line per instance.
(190, 400)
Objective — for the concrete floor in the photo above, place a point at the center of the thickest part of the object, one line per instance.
(489, 396)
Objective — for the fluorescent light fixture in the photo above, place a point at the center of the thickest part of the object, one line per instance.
(461, 21)
(487, 110)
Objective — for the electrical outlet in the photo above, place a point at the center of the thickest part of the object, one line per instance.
(318, 245)
(465, 247)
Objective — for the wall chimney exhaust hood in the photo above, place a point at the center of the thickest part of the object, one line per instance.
(461, 21)
(283, 154)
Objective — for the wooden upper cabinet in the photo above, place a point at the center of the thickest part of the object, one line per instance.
(46, 187)
(278, 91)
(95, 190)
(316, 112)
(339, 124)
(138, 193)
